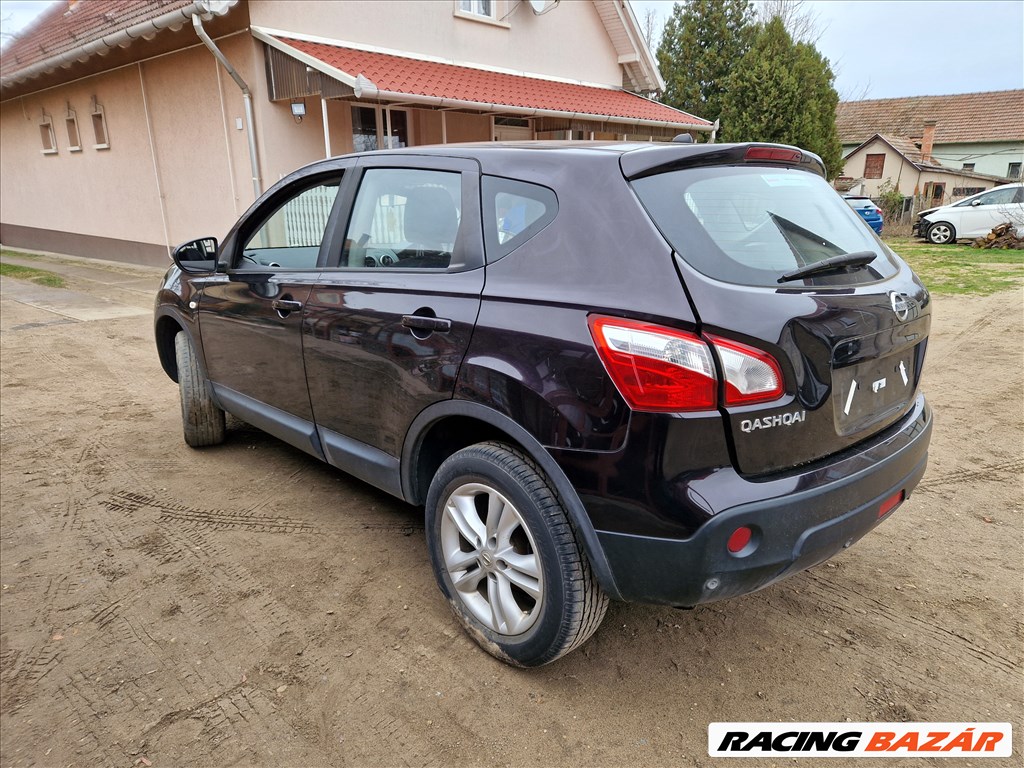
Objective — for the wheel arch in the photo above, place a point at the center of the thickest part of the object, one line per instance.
(167, 325)
(449, 426)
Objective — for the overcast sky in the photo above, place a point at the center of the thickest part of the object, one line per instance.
(878, 48)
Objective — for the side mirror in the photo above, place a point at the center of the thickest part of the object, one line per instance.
(975, 203)
(197, 256)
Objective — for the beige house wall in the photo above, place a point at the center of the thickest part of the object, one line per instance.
(524, 41)
(177, 166)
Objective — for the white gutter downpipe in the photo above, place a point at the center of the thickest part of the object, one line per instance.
(257, 186)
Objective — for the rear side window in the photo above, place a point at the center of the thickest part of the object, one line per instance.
(514, 211)
(750, 225)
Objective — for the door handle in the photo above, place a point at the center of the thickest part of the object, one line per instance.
(287, 305)
(421, 322)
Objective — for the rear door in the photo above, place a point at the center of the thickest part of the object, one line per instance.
(389, 320)
(850, 343)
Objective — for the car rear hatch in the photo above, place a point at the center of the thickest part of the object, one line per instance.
(850, 340)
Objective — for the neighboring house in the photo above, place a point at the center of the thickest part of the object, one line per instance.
(978, 132)
(121, 134)
(911, 169)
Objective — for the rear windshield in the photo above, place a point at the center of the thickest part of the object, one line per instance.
(750, 225)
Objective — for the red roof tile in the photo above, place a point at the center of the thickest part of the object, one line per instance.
(66, 26)
(407, 75)
(964, 117)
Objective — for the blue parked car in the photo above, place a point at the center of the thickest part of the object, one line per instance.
(868, 211)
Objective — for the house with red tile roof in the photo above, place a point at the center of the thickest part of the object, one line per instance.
(127, 126)
(977, 132)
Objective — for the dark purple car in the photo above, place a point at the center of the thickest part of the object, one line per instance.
(668, 373)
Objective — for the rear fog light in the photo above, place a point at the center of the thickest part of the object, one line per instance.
(739, 540)
(891, 503)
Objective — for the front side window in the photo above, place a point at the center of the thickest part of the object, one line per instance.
(751, 225)
(404, 218)
(290, 237)
(997, 197)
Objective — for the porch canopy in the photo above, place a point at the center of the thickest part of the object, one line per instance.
(301, 65)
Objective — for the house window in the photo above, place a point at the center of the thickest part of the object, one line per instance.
(873, 165)
(934, 192)
(74, 140)
(398, 122)
(478, 7)
(1013, 171)
(364, 129)
(968, 166)
(47, 135)
(966, 191)
(99, 128)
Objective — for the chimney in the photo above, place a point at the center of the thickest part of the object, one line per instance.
(927, 141)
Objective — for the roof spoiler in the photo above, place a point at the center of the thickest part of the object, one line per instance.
(674, 156)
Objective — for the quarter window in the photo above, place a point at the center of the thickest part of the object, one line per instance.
(514, 212)
(290, 237)
(404, 219)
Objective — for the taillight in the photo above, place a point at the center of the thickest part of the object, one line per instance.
(776, 154)
(664, 369)
(656, 368)
(751, 376)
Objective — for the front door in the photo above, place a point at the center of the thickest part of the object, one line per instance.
(251, 317)
(389, 320)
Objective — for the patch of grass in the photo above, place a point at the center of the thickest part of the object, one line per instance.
(18, 254)
(961, 269)
(39, 276)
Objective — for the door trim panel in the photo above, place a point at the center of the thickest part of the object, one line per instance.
(282, 425)
(363, 461)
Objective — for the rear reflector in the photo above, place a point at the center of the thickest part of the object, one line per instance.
(656, 368)
(751, 376)
(775, 154)
(891, 503)
(739, 539)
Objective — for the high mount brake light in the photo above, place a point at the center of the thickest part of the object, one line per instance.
(774, 154)
(667, 370)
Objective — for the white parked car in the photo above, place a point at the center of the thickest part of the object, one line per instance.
(974, 216)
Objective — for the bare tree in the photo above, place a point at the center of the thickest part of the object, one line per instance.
(802, 22)
(651, 25)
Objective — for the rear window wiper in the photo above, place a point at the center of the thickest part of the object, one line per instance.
(832, 264)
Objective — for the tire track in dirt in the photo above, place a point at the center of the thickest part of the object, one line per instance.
(995, 472)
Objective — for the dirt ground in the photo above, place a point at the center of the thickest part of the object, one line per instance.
(246, 605)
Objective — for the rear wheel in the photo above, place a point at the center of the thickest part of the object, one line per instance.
(507, 557)
(202, 420)
(941, 233)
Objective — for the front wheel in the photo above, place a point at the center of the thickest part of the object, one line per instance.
(201, 419)
(942, 233)
(507, 558)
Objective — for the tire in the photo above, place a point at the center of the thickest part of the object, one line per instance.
(513, 571)
(202, 420)
(941, 233)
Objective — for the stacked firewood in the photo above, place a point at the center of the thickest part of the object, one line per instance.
(1001, 236)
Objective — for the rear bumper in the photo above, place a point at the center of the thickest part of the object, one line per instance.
(802, 520)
